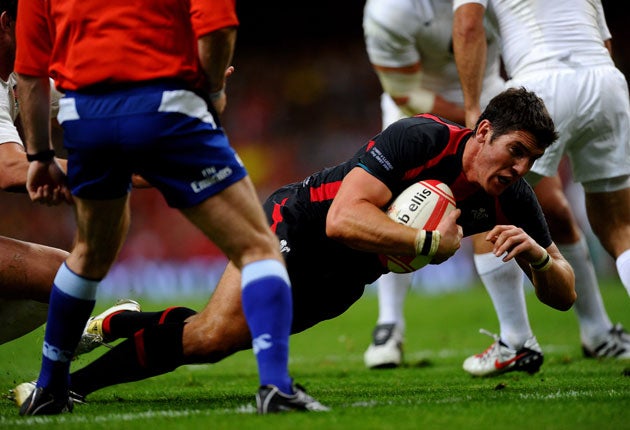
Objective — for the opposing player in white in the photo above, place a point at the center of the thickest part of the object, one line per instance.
(559, 51)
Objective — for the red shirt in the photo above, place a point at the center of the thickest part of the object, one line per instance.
(80, 44)
(210, 15)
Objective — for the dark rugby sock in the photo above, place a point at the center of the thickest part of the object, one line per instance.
(125, 324)
(149, 352)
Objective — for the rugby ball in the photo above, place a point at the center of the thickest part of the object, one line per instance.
(421, 206)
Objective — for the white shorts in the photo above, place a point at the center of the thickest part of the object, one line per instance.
(591, 110)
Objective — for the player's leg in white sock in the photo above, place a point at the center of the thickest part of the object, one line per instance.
(504, 283)
(589, 307)
(392, 289)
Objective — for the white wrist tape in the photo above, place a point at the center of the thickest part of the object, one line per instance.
(427, 242)
(543, 264)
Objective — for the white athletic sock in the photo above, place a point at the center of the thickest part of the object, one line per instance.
(623, 268)
(392, 289)
(504, 283)
(589, 307)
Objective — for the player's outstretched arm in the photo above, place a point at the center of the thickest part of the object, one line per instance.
(551, 274)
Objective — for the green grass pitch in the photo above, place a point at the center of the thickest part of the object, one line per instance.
(430, 392)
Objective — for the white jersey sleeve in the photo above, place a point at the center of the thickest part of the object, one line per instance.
(8, 111)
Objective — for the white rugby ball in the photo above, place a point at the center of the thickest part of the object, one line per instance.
(423, 205)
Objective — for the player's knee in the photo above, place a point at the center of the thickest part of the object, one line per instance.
(262, 247)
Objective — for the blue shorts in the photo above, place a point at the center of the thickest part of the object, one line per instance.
(160, 131)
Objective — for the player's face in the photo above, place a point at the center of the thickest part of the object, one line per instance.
(506, 159)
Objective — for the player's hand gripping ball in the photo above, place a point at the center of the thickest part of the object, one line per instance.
(421, 206)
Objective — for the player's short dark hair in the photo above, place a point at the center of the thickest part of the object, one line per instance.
(519, 109)
(10, 7)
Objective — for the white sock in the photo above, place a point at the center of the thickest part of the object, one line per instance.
(504, 283)
(589, 307)
(623, 268)
(392, 289)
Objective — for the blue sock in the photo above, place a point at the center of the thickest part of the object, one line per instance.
(71, 301)
(268, 308)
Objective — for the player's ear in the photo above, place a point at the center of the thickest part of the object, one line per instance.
(5, 22)
(483, 131)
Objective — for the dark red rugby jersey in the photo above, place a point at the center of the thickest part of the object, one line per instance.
(429, 147)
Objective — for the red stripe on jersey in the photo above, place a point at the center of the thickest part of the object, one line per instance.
(369, 146)
(141, 355)
(276, 215)
(456, 135)
(325, 191)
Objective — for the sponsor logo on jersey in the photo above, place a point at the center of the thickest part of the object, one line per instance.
(380, 157)
(284, 247)
(479, 214)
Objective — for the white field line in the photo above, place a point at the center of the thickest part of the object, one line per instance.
(78, 418)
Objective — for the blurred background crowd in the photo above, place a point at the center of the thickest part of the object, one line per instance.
(303, 97)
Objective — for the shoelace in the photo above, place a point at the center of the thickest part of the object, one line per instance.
(489, 351)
